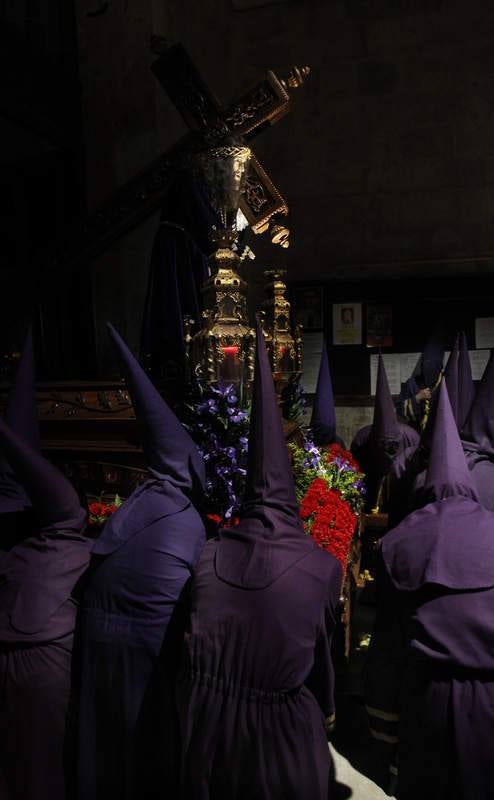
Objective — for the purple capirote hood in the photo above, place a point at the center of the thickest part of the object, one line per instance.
(270, 537)
(174, 462)
(440, 544)
(38, 575)
(447, 474)
(323, 419)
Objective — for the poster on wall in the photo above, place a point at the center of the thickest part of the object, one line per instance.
(313, 343)
(484, 332)
(308, 307)
(347, 323)
(379, 325)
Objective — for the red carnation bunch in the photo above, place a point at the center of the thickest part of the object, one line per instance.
(329, 519)
(337, 452)
(99, 511)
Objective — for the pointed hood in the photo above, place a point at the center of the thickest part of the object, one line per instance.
(38, 575)
(270, 537)
(432, 360)
(323, 420)
(447, 474)
(54, 500)
(170, 452)
(173, 460)
(22, 418)
(439, 544)
(466, 385)
(451, 376)
(269, 482)
(384, 424)
(376, 446)
(478, 430)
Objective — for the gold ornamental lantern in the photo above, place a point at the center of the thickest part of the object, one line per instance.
(224, 347)
(285, 349)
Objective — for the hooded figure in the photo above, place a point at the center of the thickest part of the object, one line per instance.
(39, 574)
(416, 393)
(256, 683)
(179, 267)
(376, 446)
(478, 437)
(141, 562)
(408, 473)
(458, 376)
(323, 420)
(431, 664)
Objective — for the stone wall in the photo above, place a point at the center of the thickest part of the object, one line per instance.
(386, 159)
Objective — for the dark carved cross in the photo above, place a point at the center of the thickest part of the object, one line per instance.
(258, 108)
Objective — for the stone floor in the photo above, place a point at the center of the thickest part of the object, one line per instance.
(353, 784)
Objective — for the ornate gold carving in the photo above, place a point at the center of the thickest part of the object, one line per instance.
(222, 349)
(284, 349)
(261, 199)
(265, 102)
(296, 78)
(279, 234)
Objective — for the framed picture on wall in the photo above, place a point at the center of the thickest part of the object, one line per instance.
(308, 309)
(379, 325)
(347, 323)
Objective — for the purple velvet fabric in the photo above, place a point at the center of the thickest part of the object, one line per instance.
(177, 270)
(141, 563)
(257, 680)
(323, 419)
(431, 362)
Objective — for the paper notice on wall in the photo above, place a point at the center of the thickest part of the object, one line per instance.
(478, 360)
(408, 364)
(393, 371)
(312, 358)
(484, 332)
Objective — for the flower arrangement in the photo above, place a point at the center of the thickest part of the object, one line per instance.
(331, 493)
(99, 511)
(218, 421)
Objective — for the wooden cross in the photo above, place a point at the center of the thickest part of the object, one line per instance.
(258, 108)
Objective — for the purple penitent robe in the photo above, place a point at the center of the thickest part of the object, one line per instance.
(255, 686)
(38, 608)
(430, 672)
(141, 563)
(43, 553)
